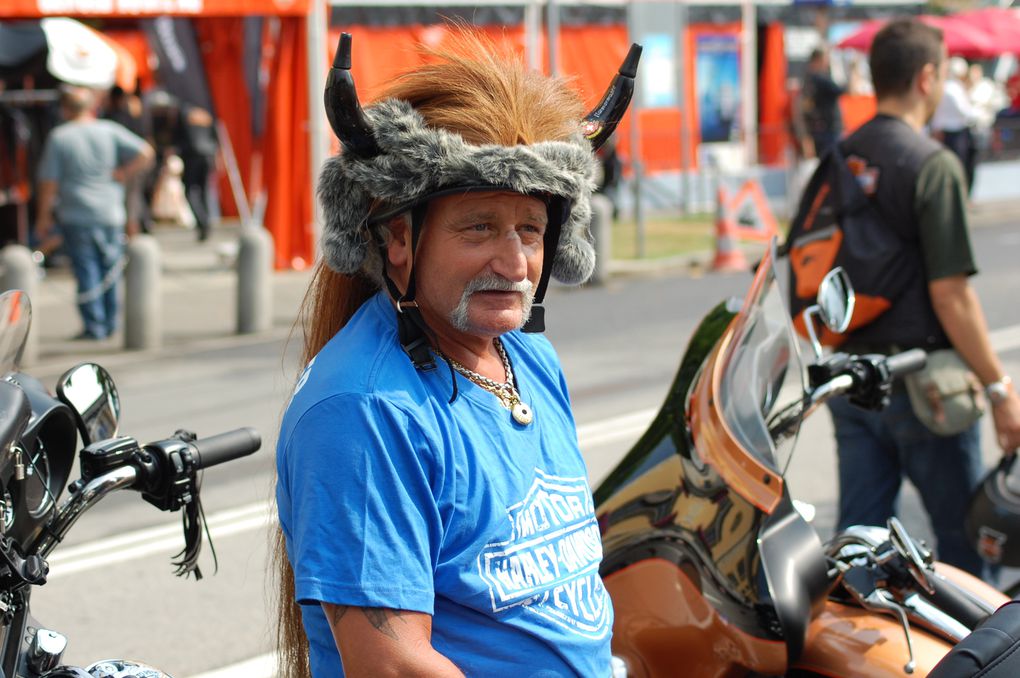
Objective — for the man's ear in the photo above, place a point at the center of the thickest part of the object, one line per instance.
(398, 243)
(926, 78)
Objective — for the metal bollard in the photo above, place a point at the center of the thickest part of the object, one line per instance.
(255, 281)
(143, 296)
(602, 231)
(18, 271)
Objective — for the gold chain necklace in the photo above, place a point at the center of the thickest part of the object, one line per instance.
(506, 392)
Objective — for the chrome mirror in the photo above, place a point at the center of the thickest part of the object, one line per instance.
(834, 305)
(836, 300)
(88, 389)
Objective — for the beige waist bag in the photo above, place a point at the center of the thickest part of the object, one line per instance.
(946, 396)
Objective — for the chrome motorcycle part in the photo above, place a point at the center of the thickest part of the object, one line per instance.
(122, 668)
(45, 650)
(89, 391)
(836, 300)
(880, 600)
(87, 496)
(932, 617)
(36, 482)
(917, 563)
(6, 511)
(862, 583)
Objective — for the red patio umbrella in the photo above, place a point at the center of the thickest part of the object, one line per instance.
(961, 38)
(1002, 24)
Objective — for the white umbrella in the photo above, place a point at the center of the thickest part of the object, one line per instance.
(77, 54)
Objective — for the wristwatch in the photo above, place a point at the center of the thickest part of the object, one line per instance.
(998, 390)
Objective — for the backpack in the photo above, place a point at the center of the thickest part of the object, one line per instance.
(838, 225)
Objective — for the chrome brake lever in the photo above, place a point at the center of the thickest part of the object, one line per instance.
(863, 585)
(877, 600)
(917, 562)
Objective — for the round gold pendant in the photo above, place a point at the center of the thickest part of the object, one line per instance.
(521, 413)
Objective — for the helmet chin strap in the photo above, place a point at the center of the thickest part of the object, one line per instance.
(412, 331)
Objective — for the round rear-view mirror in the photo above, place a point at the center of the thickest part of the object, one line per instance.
(836, 300)
(89, 390)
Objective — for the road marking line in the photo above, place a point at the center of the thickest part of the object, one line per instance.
(164, 539)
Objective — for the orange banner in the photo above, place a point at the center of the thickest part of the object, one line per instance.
(30, 9)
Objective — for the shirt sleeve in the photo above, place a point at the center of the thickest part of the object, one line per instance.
(363, 526)
(940, 202)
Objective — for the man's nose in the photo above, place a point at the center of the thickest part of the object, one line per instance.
(510, 259)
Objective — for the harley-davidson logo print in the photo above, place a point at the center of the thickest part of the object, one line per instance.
(550, 564)
(866, 176)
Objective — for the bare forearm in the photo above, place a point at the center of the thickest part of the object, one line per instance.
(46, 195)
(385, 642)
(135, 165)
(959, 311)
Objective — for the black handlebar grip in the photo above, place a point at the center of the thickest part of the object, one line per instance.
(902, 364)
(227, 446)
(948, 598)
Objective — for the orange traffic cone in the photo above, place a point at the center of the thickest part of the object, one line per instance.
(728, 257)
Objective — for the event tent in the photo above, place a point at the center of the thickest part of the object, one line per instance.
(283, 148)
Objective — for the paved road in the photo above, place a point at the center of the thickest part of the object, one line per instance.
(619, 345)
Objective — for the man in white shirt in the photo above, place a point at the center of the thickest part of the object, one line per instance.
(954, 118)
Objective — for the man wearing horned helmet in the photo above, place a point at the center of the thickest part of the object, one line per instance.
(434, 507)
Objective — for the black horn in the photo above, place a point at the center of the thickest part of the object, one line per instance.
(598, 125)
(343, 108)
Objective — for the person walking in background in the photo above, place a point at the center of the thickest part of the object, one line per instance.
(954, 118)
(919, 189)
(196, 145)
(125, 109)
(987, 97)
(84, 166)
(819, 106)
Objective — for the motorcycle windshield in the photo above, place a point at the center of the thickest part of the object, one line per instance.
(15, 320)
(762, 371)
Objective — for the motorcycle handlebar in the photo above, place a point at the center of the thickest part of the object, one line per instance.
(902, 364)
(224, 447)
(954, 601)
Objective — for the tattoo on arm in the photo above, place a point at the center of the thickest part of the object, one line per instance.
(336, 613)
(380, 618)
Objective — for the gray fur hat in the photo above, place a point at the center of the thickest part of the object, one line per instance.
(417, 161)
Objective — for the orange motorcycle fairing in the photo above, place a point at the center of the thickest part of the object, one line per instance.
(851, 642)
(665, 628)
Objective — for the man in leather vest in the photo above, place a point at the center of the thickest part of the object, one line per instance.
(920, 189)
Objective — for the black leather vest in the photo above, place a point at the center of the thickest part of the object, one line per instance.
(887, 155)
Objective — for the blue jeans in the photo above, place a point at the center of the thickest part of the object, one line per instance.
(876, 451)
(96, 254)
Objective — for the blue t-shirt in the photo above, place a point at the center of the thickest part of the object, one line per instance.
(390, 496)
(81, 157)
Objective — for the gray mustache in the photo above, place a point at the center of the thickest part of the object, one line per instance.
(495, 283)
